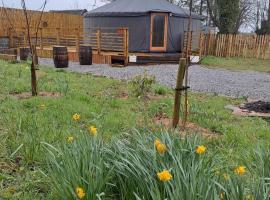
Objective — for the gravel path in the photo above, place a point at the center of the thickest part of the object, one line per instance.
(255, 85)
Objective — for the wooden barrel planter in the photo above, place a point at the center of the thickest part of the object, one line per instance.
(60, 56)
(24, 53)
(85, 55)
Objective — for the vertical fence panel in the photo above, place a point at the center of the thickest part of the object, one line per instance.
(236, 45)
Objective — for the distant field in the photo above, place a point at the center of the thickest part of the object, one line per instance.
(237, 63)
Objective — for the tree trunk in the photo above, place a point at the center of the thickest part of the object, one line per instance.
(201, 7)
(33, 78)
(269, 12)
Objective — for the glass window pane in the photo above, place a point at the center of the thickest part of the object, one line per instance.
(158, 31)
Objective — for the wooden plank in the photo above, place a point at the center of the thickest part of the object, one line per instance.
(8, 57)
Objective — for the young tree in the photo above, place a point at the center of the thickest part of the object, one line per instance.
(32, 44)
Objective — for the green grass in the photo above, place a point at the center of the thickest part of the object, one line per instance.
(236, 63)
(25, 127)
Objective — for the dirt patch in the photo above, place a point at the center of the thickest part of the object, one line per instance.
(148, 97)
(190, 127)
(123, 95)
(27, 95)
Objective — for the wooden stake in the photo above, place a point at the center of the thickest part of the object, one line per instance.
(98, 41)
(10, 45)
(77, 40)
(178, 91)
(190, 31)
(58, 36)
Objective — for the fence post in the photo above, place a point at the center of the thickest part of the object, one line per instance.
(77, 40)
(201, 44)
(41, 39)
(98, 41)
(10, 38)
(58, 36)
(25, 37)
(178, 91)
(126, 45)
(230, 46)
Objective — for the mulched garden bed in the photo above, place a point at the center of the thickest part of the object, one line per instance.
(257, 106)
(252, 109)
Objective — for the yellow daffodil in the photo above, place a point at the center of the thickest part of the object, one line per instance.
(92, 130)
(200, 149)
(240, 170)
(42, 106)
(70, 139)
(164, 176)
(226, 176)
(157, 141)
(250, 198)
(80, 192)
(222, 195)
(161, 148)
(76, 117)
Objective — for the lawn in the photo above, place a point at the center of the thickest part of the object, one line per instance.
(46, 154)
(236, 63)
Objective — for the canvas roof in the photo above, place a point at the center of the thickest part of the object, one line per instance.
(139, 7)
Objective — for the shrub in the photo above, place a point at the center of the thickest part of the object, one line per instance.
(141, 84)
(160, 90)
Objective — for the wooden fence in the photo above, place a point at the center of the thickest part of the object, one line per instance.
(101, 39)
(229, 45)
(105, 42)
(13, 20)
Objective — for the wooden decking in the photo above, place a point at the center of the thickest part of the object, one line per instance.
(156, 58)
(106, 57)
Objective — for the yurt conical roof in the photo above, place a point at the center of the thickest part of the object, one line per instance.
(140, 7)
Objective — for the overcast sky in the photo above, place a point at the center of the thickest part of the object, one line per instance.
(56, 4)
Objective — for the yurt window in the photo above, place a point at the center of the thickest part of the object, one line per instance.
(159, 26)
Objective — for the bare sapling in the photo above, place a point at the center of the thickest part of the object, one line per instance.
(31, 43)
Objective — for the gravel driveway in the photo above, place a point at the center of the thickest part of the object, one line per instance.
(255, 85)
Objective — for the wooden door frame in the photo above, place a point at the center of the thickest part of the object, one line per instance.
(164, 48)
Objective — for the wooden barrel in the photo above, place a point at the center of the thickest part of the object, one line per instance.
(85, 55)
(60, 56)
(24, 53)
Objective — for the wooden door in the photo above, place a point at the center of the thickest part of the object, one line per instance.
(159, 32)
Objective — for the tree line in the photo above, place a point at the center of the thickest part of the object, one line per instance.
(230, 15)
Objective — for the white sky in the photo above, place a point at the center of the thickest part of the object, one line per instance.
(56, 4)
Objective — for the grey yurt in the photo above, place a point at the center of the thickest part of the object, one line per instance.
(154, 25)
